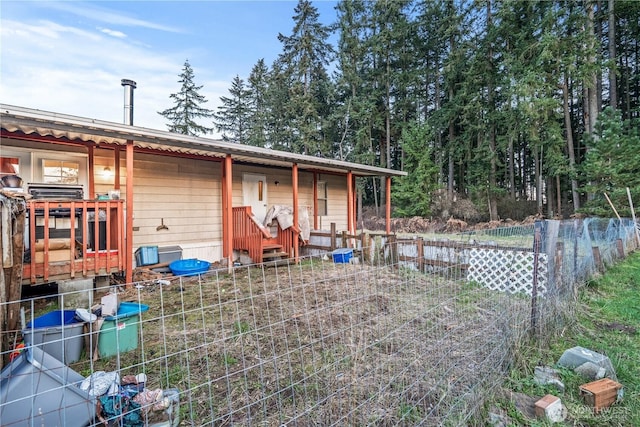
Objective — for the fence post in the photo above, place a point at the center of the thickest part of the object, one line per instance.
(597, 259)
(333, 236)
(534, 290)
(420, 248)
(558, 262)
(620, 247)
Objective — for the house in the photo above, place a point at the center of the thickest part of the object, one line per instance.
(102, 190)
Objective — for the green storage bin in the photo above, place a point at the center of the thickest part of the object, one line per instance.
(119, 333)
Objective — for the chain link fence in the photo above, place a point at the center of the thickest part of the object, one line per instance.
(393, 332)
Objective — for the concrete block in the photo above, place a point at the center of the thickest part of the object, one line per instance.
(550, 407)
(75, 293)
(576, 356)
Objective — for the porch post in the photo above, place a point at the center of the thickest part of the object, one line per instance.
(227, 210)
(92, 179)
(350, 221)
(315, 200)
(116, 166)
(296, 222)
(388, 207)
(129, 206)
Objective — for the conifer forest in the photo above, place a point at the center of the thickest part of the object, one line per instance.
(516, 107)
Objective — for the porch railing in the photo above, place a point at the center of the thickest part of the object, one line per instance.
(68, 239)
(251, 236)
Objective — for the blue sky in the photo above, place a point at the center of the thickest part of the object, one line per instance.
(69, 56)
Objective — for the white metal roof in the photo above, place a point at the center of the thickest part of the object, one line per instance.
(44, 123)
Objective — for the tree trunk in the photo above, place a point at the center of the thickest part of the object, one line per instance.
(570, 147)
(613, 90)
(592, 84)
(512, 177)
(538, 168)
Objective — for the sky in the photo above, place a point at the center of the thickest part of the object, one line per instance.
(70, 56)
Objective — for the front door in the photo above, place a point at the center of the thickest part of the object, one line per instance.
(254, 193)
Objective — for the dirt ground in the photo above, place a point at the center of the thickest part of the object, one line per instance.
(321, 344)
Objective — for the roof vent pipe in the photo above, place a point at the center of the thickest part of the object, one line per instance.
(129, 86)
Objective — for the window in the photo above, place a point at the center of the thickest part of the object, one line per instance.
(322, 198)
(60, 171)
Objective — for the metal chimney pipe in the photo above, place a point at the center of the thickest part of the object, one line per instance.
(129, 86)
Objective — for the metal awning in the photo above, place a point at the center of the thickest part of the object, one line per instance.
(48, 124)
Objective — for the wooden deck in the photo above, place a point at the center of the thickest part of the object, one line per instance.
(73, 239)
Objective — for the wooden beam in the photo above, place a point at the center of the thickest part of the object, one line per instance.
(350, 221)
(388, 206)
(129, 226)
(296, 215)
(116, 166)
(228, 208)
(315, 200)
(92, 171)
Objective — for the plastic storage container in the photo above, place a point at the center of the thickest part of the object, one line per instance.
(38, 389)
(119, 333)
(58, 333)
(342, 255)
(169, 253)
(146, 255)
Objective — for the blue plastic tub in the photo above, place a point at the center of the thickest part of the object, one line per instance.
(342, 255)
(189, 267)
(147, 255)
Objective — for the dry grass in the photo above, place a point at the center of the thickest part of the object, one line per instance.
(323, 344)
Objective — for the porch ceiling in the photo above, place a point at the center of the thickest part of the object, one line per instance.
(74, 128)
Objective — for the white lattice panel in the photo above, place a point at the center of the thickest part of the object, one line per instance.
(507, 271)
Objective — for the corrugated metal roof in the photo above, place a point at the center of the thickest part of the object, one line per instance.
(44, 123)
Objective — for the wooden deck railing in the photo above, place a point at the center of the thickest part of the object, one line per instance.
(248, 233)
(251, 236)
(68, 239)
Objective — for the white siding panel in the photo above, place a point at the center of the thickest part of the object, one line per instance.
(182, 194)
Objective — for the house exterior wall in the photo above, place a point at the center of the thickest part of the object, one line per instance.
(183, 194)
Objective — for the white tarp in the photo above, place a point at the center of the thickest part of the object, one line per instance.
(284, 216)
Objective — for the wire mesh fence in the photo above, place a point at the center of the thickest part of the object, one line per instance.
(393, 333)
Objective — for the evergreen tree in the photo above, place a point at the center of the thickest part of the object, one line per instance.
(188, 106)
(412, 193)
(305, 54)
(234, 115)
(612, 163)
(258, 87)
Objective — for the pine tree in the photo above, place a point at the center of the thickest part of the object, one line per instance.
(258, 87)
(234, 115)
(412, 194)
(305, 54)
(188, 106)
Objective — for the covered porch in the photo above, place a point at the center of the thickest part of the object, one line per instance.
(240, 231)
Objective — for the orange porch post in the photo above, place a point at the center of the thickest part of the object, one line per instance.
(350, 221)
(296, 236)
(129, 206)
(227, 210)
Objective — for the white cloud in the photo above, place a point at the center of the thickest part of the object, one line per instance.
(65, 69)
(96, 13)
(113, 33)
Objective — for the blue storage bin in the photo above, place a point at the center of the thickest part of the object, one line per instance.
(57, 333)
(147, 255)
(342, 255)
